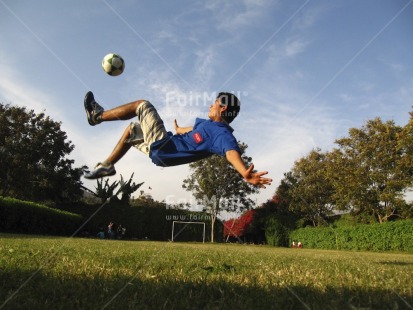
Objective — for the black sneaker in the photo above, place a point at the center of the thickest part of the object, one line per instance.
(101, 171)
(93, 109)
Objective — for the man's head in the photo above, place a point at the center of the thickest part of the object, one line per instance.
(226, 106)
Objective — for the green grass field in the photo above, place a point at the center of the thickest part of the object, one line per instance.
(65, 273)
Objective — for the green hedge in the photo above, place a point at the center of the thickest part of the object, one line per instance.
(390, 236)
(143, 222)
(17, 216)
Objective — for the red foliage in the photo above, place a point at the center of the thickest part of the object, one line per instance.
(238, 227)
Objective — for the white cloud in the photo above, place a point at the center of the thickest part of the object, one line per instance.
(204, 65)
(310, 15)
(231, 18)
(294, 47)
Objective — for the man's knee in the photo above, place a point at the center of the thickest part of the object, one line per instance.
(135, 133)
(127, 132)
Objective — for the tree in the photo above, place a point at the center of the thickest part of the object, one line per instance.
(273, 220)
(217, 186)
(238, 227)
(405, 149)
(311, 193)
(283, 193)
(405, 161)
(33, 151)
(367, 173)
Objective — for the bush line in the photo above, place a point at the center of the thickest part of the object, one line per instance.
(390, 236)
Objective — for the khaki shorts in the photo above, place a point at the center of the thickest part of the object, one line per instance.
(149, 129)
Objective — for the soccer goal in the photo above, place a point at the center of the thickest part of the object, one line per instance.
(182, 229)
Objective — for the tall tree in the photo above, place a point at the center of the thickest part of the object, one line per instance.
(217, 186)
(33, 161)
(311, 193)
(366, 170)
(405, 148)
(283, 193)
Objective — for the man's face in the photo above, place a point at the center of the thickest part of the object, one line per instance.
(215, 111)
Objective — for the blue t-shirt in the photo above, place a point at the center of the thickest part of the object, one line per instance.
(206, 138)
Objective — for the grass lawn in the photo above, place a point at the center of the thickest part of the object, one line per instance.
(72, 273)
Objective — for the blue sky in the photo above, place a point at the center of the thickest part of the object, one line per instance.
(305, 71)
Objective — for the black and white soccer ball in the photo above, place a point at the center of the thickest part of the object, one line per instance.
(113, 64)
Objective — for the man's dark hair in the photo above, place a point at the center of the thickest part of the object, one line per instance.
(233, 106)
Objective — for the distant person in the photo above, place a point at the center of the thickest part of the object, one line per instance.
(189, 144)
(110, 231)
(123, 231)
(300, 245)
(101, 233)
(120, 232)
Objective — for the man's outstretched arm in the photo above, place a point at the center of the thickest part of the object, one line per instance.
(254, 178)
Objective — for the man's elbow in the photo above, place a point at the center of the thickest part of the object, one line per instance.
(231, 153)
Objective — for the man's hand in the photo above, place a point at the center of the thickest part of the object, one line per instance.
(255, 178)
(181, 130)
(176, 126)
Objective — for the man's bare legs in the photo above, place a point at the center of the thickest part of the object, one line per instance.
(120, 149)
(123, 112)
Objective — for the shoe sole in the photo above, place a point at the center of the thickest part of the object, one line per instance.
(98, 175)
(88, 106)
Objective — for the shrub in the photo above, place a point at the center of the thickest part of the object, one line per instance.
(390, 236)
(19, 216)
(144, 221)
(276, 233)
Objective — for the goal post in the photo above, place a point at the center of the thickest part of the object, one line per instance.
(186, 224)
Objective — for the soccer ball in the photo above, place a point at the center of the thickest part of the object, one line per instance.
(113, 64)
